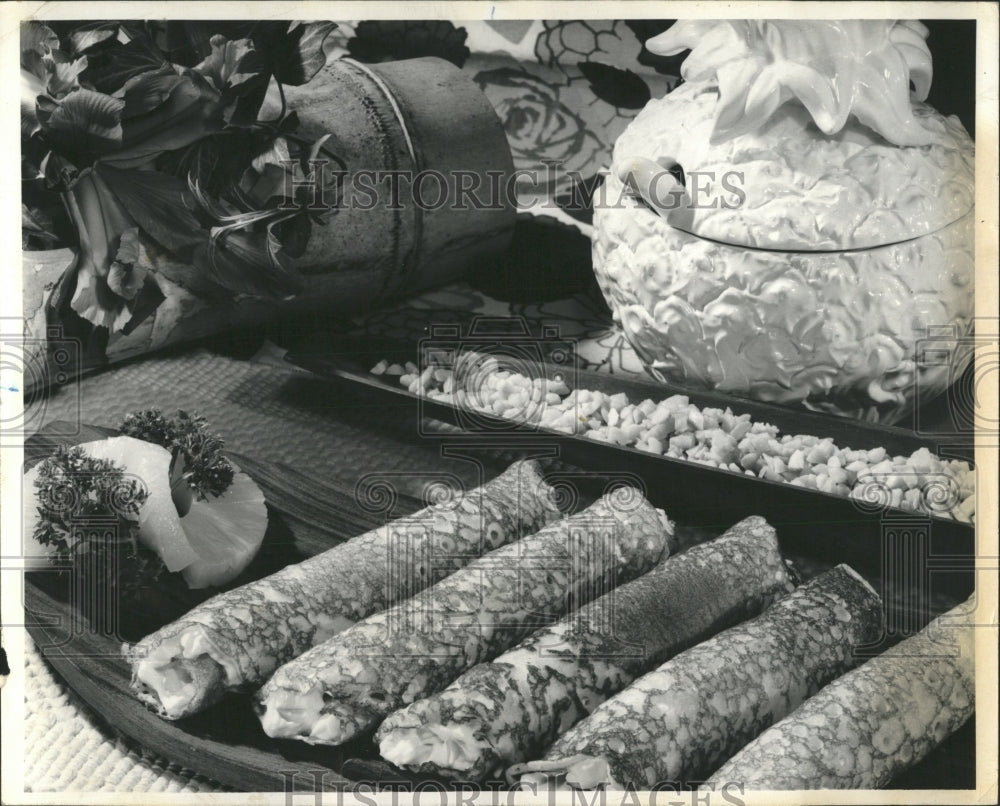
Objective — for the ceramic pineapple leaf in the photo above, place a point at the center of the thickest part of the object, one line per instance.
(835, 69)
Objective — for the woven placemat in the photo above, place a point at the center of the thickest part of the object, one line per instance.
(263, 409)
(67, 749)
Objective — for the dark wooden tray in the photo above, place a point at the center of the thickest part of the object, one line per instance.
(821, 526)
(226, 743)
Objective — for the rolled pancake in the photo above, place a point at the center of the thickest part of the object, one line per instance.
(678, 722)
(346, 686)
(514, 707)
(873, 723)
(237, 639)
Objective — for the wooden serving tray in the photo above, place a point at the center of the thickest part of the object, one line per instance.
(821, 526)
(225, 743)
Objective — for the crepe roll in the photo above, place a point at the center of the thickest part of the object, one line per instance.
(873, 723)
(237, 639)
(346, 686)
(514, 707)
(680, 721)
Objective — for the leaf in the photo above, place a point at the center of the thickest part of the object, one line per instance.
(128, 247)
(145, 92)
(296, 54)
(293, 235)
(31, 87)
(160, 204)
(218, 161)
(64, 77)
(193, 110)
(50, 76)
(615, 85)
(58, 172)
(249, 102)
(263, 186)
(125, 278)
(110, 69)
(231, 64)
(143, 304)
(36, 37)
(190, 42)
(84, 122)
(87, 36)
(37, 223)
(240, 262)
(276, 154)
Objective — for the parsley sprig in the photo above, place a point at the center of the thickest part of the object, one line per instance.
(198, 460)
(73, 488)
(88, 511)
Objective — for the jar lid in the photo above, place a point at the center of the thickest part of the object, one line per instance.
(786, 185)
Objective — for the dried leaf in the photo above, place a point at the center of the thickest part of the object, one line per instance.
(143, 304)
(293, 234)
(31, 87)
(231, 63)
(38, 224)
(110, 69)
(125, 279)
(192, 111)
(266, 185)
(295, 50)
(240, 262)
(277, 154)
(87, 36)
(145, 92)
(36, 37)
(161, 205)
(128, 248)
(64, 77)
(84, 122)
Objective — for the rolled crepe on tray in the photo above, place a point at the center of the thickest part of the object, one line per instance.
(513, 708)
(679, 722)
(343, 688)
(876, 721)
(236, 639)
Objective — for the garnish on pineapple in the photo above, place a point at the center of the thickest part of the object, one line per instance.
(197, 462)
(72, 487)
(88, 511)
(223, 532)
(158, 487)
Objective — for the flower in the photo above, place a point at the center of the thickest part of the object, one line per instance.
(542, 131)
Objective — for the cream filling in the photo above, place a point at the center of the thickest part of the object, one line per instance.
(447, 747)
(288, 714)
(181, 671)
(577, 772)
(181, 683)
(292, 714)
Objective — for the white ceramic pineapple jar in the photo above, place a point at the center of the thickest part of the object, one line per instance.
(824, 229)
